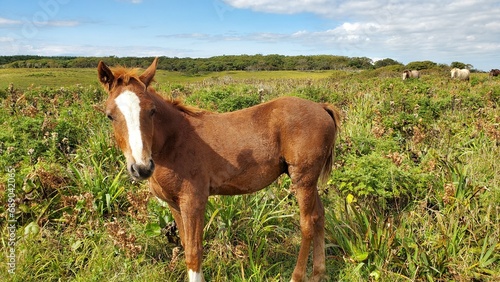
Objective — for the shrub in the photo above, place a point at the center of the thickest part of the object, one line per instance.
(385, 180)
(224, 99)
(317, 94)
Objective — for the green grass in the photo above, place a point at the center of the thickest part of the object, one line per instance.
(29, 78)
(414, 195)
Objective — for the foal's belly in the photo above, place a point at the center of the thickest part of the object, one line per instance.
(249, 180)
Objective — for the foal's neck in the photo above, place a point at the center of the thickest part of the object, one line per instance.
(167, 122)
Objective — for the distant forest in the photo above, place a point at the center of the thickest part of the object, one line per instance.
(220, 63)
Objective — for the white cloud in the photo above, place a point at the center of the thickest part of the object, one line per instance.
(132, 1)
(58, 23)
(282, 7)
(6, 39)
(12, 47)
(6, 22)
(9, 22)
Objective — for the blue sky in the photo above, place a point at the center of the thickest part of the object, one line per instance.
(405, 30)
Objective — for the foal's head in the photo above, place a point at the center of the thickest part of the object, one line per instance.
(131, 110)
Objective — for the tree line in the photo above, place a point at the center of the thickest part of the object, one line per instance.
(218, 63)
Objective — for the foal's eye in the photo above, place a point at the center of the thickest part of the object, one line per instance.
(110, 117)
(152, 112)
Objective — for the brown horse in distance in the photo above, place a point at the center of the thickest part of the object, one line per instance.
(189, 154)
(494, 72)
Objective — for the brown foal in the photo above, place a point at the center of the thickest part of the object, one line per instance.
(189, 154)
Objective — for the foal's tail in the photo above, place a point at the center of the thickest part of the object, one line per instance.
(328, 166)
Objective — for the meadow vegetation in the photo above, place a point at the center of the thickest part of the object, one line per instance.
(414, 195)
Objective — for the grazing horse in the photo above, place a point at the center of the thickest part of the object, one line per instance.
(462, 74)
(189, 154)
(494, 72)
(411, 74)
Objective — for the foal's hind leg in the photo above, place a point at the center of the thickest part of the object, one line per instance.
(319, 268)
(312, 224)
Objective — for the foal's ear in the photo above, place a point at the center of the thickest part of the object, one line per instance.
(106, 76)
(149, 73)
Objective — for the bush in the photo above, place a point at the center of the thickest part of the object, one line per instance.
(388, 181)
(224, 99)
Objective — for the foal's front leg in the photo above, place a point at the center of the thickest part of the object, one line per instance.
(193, 214)
(179, 223)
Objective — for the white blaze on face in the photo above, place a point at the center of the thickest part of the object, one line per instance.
(195, 276)
(128, 104)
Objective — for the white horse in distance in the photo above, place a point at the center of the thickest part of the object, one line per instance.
(462, 74)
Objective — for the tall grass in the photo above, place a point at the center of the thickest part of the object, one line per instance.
(414, 196)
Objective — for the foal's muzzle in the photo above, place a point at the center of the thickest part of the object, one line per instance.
(141, 171)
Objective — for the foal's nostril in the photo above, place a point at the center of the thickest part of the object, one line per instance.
(142, 171)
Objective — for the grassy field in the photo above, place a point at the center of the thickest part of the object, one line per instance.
(33, 78)
(414, 196)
